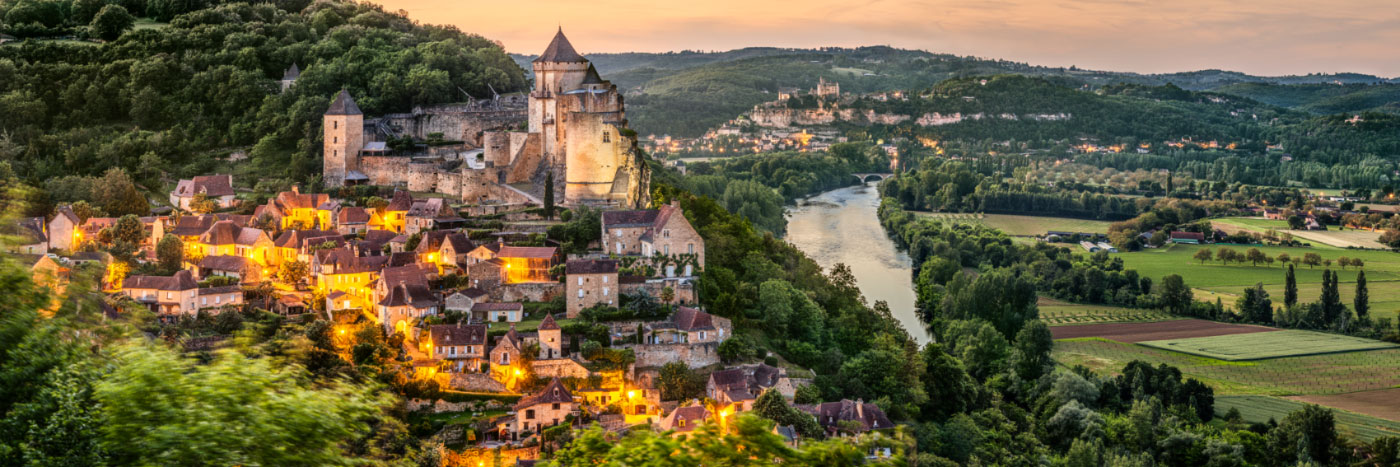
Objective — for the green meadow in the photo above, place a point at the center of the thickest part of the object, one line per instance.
(1228, 282)
(1259, 409)
(1261, 345)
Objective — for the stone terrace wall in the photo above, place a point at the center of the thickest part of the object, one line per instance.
(693, 355)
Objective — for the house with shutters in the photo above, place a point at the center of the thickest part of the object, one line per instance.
(689, 326)
(296, 210)
(487, 312)
(590, 282)
(217, 188)
(228, 238)
(462, 346)
(352, 220)
(847, 417)
(662, 236)
(165, 295)
(549, 407)
(741, 386)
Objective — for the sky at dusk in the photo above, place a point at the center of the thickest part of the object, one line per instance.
(1270, 37)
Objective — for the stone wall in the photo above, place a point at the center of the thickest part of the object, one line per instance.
(693, 355)
(530, 292)
(559, 367)
(481, 457)
(455, 122)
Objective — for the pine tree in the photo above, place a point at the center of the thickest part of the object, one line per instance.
(549, 195)
(1169, 183)
(1363, 297)
(1290, 288)
(1331, 300)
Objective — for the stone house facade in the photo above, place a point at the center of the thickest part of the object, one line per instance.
(588, 283)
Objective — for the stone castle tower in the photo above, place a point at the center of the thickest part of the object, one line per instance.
(583, 128)
(344, 127)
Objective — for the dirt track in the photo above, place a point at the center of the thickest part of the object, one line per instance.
(1140, 332)
(1379, 403)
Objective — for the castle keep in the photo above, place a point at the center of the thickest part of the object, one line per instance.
(576, 130)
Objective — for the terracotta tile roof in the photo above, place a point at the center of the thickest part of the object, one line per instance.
(690, 319)
(591, 266)
(230, 233)
(296, 238)
(548, 324)
(499, 306)
(67, 211)
(692, 417)
(401, 201)
(297, 200)
(831, 414)
(429, 207)
(552, 393)
(219, 290)
(211, 185)
(458, 334)
(224, 263)
(460, 243)
(414, 295)
(182, 280)
(352, 215)
(531, 252)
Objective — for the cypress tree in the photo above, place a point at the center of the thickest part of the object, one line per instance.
(1363, 297)
(549, 195)
(1331, 300)
(1290, 288)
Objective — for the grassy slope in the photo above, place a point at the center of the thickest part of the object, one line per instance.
(1259, 409)
(1382, 273)
(1024, 225)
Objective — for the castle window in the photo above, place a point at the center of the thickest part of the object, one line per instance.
(607, 137)
(335, 140)
(335, 125)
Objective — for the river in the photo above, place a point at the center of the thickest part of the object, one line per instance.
(841, 226)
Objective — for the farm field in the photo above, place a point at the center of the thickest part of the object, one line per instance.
(1382, 272)
(1139, 332)
(1311, 375)
(1379, 403)
(1262, 345)
(1016, 225)
(1259, 409)
(1334, 237)
(1057, 313)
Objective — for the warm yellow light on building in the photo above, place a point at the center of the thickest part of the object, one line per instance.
(517, 372)
(631, 394)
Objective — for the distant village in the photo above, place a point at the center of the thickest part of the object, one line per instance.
(465, 276)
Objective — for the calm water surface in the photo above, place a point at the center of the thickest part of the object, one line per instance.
(840, 226)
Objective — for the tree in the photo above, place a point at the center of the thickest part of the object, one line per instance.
(1343, 262)
(1256, 306)
(549, 195)
(1312, 260)
(241, 409)
(170, 252)
(1202, 255)
(1001, 297)
(1176, 296)
(771, 405)
(1290, 289)
(130, 229)
(116, 194)
(676, 381)
(1031, 357)
(1295, 222)
(292, 272)
(1331, 299)
(1305, 435)
(111, 22)
(201, 204)
(1283, 258)
(1255, 256)
(1362, 302)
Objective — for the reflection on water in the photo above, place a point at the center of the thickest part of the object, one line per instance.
(840, 226)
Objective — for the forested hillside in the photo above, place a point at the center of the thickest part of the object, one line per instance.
(174, 98)
(1321, 98)
(685, 93)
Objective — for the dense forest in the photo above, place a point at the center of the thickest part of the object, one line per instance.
(176, 97)
(676, 93)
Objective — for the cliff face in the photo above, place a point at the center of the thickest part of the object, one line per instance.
(785, 118)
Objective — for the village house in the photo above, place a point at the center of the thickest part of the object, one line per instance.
(64, 232)
(405, 304)
(445, 249)
(506, 360)
(548, 408)
(237, 267)
(429, 214)
(684, 420)
(165, 295)
(484, 252)
(227, 238)
(346, 279)
(395, 215)
(352, 220)
(846, 417)
(30, 235)
(590, 282)
(498, 312)
(689, 326)
(662, 235)
(524, 264)
(215, 298)
(216, 188)
(1192, 238)
(463, 301)
(296, 210)
(741, 386)
(300, 245)
(462, 346)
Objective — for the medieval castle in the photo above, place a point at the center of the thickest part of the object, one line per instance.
(576, 131)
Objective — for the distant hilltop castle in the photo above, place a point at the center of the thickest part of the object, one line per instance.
(577, 131)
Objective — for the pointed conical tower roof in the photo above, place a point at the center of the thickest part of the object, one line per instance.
(343, 105)
(560, 50)
(292, 73)
(548, 324)
(591, 76)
